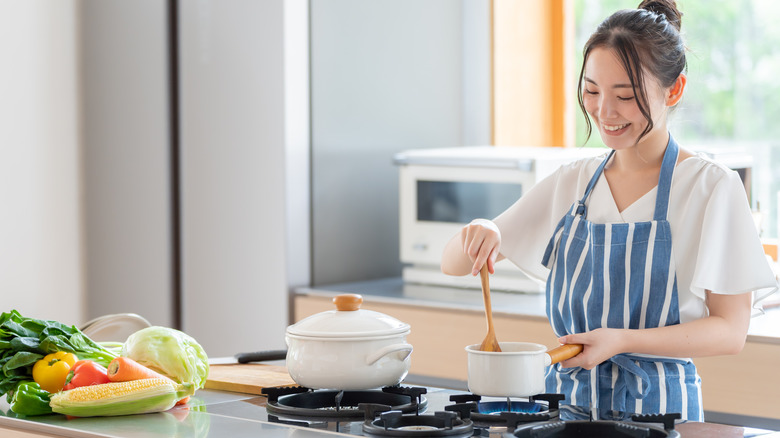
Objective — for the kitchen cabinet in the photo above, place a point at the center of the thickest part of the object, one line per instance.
(736, 385)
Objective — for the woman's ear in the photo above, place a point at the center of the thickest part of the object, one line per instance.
(675, 93)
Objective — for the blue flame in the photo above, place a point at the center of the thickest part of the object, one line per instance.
(502, 406)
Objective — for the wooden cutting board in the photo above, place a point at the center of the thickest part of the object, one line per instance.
(247, 378)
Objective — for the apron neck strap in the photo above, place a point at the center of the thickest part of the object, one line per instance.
(581, 209)
(665, 179)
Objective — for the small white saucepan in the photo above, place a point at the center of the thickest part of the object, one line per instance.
(515, 371)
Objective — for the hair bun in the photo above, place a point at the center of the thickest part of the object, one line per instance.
(667, 8)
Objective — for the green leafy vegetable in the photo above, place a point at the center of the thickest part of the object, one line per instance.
(21, 360)
(170, 352)
(25, 340)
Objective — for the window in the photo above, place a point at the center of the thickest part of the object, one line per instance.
(732, 99)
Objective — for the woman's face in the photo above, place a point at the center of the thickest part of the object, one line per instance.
(610, 100)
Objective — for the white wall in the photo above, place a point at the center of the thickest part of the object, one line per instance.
(40, 218)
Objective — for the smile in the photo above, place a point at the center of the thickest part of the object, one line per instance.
(615, 127)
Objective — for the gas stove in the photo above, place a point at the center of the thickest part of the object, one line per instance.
(408, 411)
(417, 411)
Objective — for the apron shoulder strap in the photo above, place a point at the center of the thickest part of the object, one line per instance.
(665, 180)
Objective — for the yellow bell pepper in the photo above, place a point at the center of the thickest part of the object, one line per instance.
(51, 371)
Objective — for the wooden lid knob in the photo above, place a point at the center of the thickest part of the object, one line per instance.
(348, 302)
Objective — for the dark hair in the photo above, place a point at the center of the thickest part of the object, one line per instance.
(646, 39)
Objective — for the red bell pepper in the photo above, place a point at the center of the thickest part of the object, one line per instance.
(86, 373)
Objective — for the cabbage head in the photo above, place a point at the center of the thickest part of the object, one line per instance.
(170, 352)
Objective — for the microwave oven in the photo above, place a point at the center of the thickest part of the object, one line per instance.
(441, 190)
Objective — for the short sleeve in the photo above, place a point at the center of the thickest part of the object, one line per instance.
(730, 257)
(527, 226)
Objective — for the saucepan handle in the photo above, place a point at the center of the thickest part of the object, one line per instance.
(384, 351)
(558, 354)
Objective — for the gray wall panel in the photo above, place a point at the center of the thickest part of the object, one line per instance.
(235, 294)
(386, 76)
(126, 158)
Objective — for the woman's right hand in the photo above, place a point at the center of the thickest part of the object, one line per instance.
(470, 249)
(481, 242)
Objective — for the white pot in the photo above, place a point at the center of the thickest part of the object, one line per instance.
(515, 371)
(348, 348)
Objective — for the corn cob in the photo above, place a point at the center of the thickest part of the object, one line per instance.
(120, 398)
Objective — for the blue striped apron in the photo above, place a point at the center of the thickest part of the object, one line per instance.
(619, 275)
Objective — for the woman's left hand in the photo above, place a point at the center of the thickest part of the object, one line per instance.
(598, 345)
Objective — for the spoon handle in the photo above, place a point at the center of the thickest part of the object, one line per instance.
(484, 274)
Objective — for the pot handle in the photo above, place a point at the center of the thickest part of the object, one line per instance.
(558, 354)
(384, 351)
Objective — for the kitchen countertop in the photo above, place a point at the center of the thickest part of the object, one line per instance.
(206, 416)
(763, 328)
(227, 414)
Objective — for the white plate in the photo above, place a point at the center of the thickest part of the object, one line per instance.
(114, 328)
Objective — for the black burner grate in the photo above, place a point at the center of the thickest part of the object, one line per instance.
(592, 429)
(398, 424)
(638, 428)
(304, 402)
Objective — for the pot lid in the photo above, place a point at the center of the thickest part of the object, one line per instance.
(348, 320)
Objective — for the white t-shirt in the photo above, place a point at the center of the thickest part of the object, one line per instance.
(714, 239)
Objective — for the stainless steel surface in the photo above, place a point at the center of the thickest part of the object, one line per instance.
(225, 414)
(210, 414)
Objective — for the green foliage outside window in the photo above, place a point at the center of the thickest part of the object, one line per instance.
(732, 100)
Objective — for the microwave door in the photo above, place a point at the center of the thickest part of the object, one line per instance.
(436, 202)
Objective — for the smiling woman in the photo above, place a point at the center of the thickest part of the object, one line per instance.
(646, 247)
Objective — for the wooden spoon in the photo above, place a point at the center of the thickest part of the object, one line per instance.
(490, 343)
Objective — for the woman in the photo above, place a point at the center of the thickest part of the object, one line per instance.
(650, 253)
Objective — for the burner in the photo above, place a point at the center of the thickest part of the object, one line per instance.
(496, 407)
(507, 413)
(396, 423)
(304, 402)
(603, 428)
